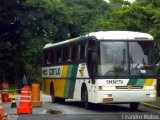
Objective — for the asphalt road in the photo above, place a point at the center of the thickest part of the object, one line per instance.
(73, 110)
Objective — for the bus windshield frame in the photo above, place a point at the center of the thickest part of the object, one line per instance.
(124, 59)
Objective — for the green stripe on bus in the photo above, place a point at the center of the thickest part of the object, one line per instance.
(132, 82)
(72, 83)
(81, 38)
(69, 73)
(140, 82)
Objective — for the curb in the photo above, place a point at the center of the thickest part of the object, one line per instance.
(150, 105)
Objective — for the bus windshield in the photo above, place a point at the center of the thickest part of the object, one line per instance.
(122, 58)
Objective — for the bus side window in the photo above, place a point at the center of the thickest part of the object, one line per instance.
(66, 54)
(69, 54)
(78, 55)
(49, 57)
(58, 56)
(74, 54)
(83, 51)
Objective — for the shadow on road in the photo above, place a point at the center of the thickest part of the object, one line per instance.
(103, 108)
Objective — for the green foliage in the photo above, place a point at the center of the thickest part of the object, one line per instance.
(156, 33)
(26, 26)
(134, 17)
(155, 3)
(84, 15)
(33, 51)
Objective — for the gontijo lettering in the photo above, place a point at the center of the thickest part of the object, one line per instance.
(51, 71)
(44, 72)
(55, 71)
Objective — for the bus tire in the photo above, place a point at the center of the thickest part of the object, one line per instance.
(134, 106)
(53, 98)
(60, 100)
(87, 105)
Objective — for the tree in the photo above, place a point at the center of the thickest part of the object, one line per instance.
(84, 15)
(10, 50)
(42, 22)
(25, 27)
(155, 3)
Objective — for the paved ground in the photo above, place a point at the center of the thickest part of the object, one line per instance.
(155, 105)
(73, 110)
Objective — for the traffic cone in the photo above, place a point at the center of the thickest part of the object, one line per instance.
(1, 106)
(3, 115)
(35, 99)
(13, 104)
(25, 101)
(5, 94)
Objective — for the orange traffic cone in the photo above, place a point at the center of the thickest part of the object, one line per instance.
(5, 94)
(3, 115)
(25, 101)
(1, 106)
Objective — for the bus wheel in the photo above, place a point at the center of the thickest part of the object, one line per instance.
(53, 98)
(134, 106)
(60, 100)
(85, 98)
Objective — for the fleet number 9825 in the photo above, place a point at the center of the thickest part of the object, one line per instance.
(114, 81)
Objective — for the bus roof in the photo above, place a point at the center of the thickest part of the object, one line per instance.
(121, 35)
(107, 35)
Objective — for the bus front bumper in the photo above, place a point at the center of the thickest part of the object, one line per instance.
(125, 96)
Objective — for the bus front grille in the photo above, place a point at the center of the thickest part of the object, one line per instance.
(129, 87)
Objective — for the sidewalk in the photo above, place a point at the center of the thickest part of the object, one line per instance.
(155, 105)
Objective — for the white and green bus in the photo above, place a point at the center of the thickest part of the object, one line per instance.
(101, 67)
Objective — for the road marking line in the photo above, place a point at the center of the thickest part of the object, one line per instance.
(149, 105)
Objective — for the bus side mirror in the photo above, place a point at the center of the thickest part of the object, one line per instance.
(92, 62)
(93, 52)
(94, 56)
(93, 66)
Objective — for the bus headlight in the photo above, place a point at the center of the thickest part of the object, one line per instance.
(150, 87)
(106, 87)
